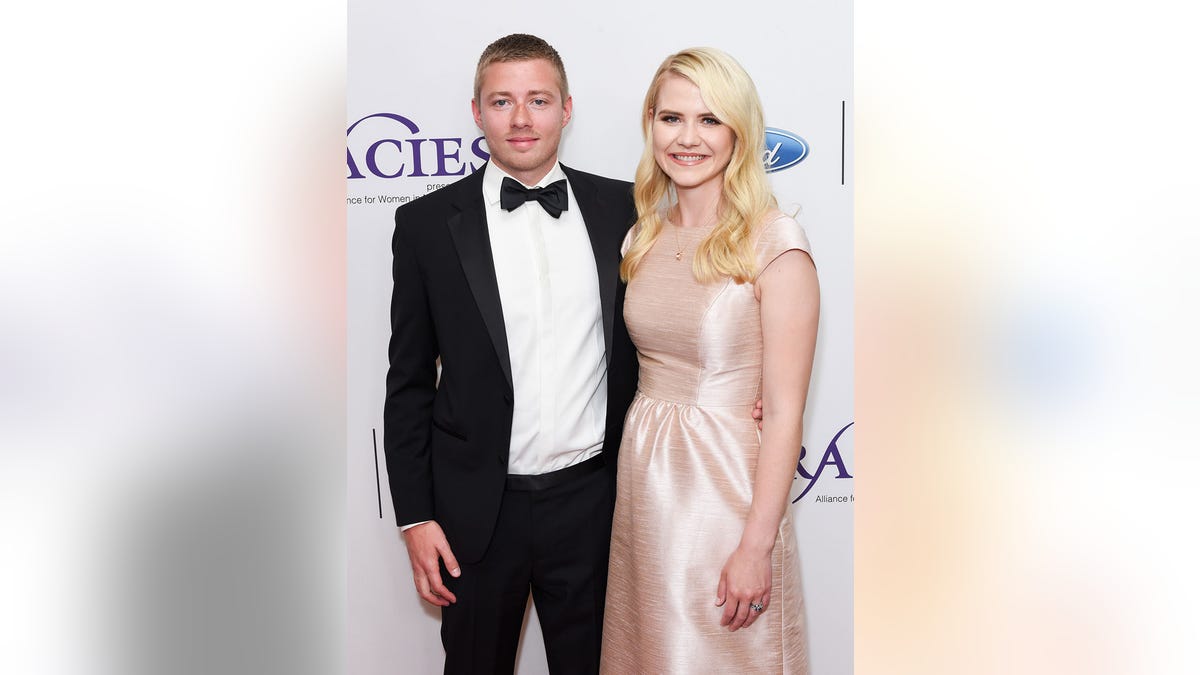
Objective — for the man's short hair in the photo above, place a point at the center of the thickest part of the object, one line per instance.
(521, 47)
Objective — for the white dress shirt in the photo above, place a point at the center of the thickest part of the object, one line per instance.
(549, 292)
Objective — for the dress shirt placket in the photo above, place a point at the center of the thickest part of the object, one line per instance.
(545, 327)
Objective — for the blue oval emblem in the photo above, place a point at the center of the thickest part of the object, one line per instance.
(784, 149)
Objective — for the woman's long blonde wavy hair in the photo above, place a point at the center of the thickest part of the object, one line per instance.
(728, 251)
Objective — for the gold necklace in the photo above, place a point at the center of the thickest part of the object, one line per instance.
(676, 228)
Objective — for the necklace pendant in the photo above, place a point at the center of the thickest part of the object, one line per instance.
(679, 255)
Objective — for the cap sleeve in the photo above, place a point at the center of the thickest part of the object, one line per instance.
(628, 240)
(780, 235)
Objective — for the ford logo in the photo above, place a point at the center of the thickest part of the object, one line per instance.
(784, 149)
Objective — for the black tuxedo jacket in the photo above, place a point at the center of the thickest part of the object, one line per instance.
(446, 443)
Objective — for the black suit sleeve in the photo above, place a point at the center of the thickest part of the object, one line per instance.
(411, 385)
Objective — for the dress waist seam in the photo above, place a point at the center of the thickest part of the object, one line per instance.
(692, 404)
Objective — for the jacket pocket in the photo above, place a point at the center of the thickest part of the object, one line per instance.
(451, 432)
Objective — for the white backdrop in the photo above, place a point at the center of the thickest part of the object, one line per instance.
(409, 82)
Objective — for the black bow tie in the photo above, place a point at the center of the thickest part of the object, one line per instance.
(553, 197)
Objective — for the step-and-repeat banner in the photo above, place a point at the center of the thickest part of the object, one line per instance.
(409, 131)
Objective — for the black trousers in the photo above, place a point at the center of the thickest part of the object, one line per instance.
(553, 542)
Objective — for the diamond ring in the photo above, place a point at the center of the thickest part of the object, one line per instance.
(757, 606)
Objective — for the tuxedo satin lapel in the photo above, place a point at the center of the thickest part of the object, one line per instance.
(605, 246)
(468, 229)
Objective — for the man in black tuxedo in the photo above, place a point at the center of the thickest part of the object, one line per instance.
(502, 472)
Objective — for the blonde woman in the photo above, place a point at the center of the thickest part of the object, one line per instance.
(722, 305)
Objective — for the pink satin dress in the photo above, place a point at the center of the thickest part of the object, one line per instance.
(685, 474)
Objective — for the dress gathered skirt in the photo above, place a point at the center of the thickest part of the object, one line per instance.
(685, 475)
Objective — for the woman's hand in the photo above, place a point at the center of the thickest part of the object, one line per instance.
(745, 581)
